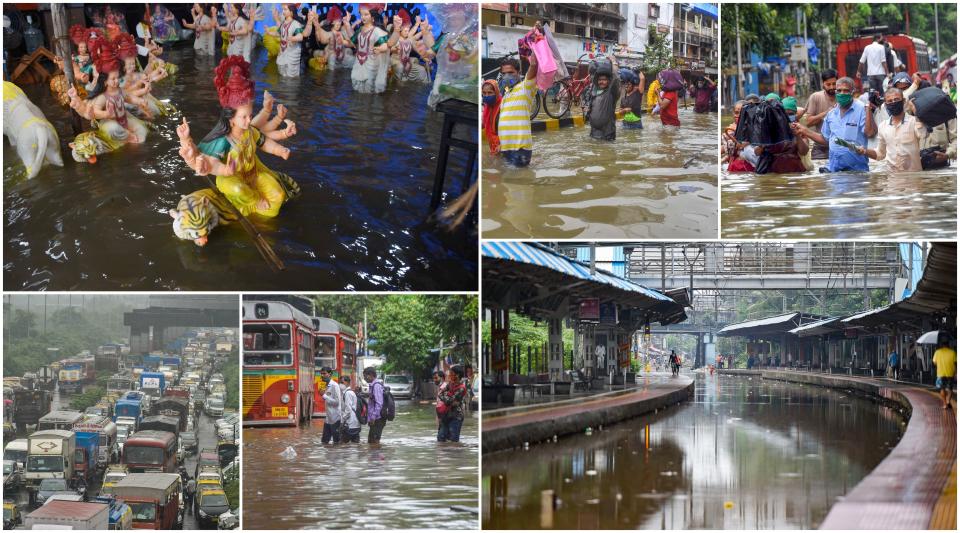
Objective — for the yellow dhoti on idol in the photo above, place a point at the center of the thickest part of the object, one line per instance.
(251, 181)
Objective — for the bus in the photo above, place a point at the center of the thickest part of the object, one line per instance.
(911, 51)
(278, 344)
(150, 451)
(335, 347)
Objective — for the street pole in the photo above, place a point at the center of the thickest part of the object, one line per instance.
(936, 30)
(736, 10)
(365, 341)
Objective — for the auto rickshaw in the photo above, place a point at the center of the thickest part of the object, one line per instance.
(11, 515)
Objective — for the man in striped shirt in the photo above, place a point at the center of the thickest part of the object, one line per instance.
(516, 140)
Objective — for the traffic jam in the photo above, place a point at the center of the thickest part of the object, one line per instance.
(158, 449)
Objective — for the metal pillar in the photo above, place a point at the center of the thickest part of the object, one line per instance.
(555, 340)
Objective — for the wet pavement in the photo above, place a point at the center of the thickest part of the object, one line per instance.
(744, 454)
(843, 205)
(408, 481)
(636, 186)
(365, 165)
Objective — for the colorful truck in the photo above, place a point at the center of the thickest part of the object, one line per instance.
(153, 384)
(153, 498)
(106, 431)
(85, 455)
(71, 379)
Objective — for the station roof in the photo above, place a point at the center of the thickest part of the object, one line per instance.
(537, 279)
(820, 327)
(773, 325)
(936, 292)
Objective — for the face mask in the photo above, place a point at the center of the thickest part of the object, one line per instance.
(894, 109)
(844, 99)
(792, 118)
(326, 379)
(508, 80)
(490, 100)
(831, 92)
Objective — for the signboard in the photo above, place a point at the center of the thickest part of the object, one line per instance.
(798, 52)
(150, 383)
(590, 309)
(608, 313)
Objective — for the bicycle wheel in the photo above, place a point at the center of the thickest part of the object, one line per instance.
(556, 101)
(535, 108)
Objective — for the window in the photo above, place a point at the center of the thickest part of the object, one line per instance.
(654, 11)
(45, 463)
(258, 337)
(145, 455)
(143, 512)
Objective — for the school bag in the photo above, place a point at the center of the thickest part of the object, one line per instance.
(933, 106)
(359, 409)
(389, 410)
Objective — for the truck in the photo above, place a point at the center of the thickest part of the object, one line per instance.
(120, 383)
(63, 514)
(46, 378)
(153, 384)
(29, 406)
(85, 455)
(50, 455)
(70, 379)
(121, 518)
(107, 358)
(171, 361)
(106, 431)
(127, 408)
(161, 423)
(154, 499)
(63, 420)
(173, 406)
(223, 347)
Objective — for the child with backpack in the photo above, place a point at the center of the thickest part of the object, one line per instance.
(450, 406)
(353, 411)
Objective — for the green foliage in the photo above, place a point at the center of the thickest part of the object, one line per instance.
(232, 490)
(25, 345)
(406, 327)
(529, 334)
(88, 398)
(765, 27)
(231, 378)
(658, 54)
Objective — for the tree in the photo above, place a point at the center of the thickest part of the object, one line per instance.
(406, 333)
(658, 55)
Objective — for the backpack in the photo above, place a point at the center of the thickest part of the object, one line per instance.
(359, 409)
(389, 410)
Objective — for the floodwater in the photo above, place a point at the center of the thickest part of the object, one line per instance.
(636, 186)
(744, 454)
(842, 205)
(365, 164)
(408, 481)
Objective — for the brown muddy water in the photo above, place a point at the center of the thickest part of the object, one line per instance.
(408, 481)
(743, 454)
(842, 205)
(365, 164)
(636, 186)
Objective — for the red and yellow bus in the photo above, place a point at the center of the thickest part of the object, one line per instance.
(911, 51)
(278, 345)
(336, 347)
(150, 451)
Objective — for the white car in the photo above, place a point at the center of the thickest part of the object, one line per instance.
(400, 386)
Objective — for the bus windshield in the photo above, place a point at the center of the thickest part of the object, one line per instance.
(268, 359)
(45, 463)
(143, 455)
(15, 455)
(266, 337)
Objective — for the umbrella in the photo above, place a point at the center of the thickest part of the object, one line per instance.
(929, 337)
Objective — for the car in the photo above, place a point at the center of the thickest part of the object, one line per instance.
(189, 441)
(211, 503)
(12, 476)
(51, 486)
(214, 406)
(206, 457)
(400, 386)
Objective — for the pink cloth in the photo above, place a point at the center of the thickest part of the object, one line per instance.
(546, 66)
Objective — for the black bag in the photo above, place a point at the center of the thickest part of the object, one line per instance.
(389, 410)
(933, 106)
(763, 123)
(360, 409)
(927, 160)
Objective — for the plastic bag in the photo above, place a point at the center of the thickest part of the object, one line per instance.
(458, 55)
(165, 27)
(562, 71)
(546, 66)
(289, 453)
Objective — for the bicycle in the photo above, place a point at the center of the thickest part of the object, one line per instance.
(564, 94)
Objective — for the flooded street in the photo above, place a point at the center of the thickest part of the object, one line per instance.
(743, 454)
(408, 481)
(843, 205)
(365, 165)
(636, 186)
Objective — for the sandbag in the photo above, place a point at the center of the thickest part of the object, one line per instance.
(763, 123)
(933, 106)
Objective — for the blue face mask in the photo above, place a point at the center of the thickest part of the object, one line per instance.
(490, 100)
(508, 80)
(792, 118)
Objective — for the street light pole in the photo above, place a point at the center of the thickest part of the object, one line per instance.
(736, 10)
(936, 30)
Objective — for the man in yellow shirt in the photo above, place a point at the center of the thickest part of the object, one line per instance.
(516, 138)
(946, 360)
